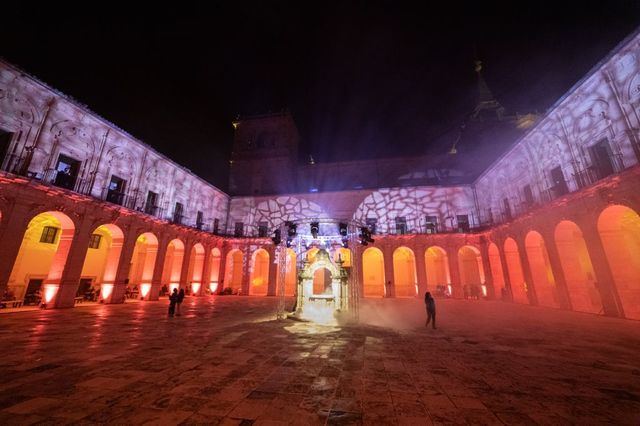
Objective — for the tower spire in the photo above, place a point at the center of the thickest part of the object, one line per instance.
(485, 101)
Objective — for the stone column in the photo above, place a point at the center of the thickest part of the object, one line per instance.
(556, 268)
(14, 227)
(246, 270)
(505, 271)
(206, 271)
(454, 271)
(605, 283)
(272, 290)
(486, 266)
(526, 271)
(421, 270)
(224, 250)
(388, 270)
(124, 265)
(76, 247)
(185, 279)
(158, 268)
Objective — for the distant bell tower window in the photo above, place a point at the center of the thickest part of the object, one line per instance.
(115, 191)
(401, 225)
(49, 234)
(239, 229)
(262, 229)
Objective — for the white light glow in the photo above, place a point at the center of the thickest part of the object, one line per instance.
(106, 290)
(172, 286)
(450, 289)
(213, 286)
(50, 291)
(484, 290)
(145, 289)
(195, 288)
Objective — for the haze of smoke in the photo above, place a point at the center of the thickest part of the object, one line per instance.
(401, 314)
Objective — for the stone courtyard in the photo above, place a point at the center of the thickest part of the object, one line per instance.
(227, 361)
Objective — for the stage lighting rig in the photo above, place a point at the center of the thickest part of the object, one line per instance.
(315, 228)
(343, 228)
(277, 237)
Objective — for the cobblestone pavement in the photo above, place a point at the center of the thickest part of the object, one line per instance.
(226, 361)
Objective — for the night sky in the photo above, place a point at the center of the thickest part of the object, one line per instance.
(362, 79)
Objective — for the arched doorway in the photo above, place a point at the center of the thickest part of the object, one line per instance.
(577, 268)
(471, 272)
(404, 272)
(514, 268)
(40, 262)
(541, 273)
(619, 229)
(259, 273)
(290, 276)
(496, 268)
(436, 263)
(233, 270)
(143, 263)
(101, 262)
(196, 267)
(214, 277)
(373, 273)
(173, 264)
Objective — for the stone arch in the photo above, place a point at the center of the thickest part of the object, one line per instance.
(619, 229)
(543, 280)
(496, 267)
(173, 264)
(41, 259)
(373, 278)
(233, 270)
(577, 268)
(259, 280)
(514, 268)
(471, 271)
(143, 261)
(437, 267)
(196, 268)
(214, 275)
(102, 260)
(404, 272)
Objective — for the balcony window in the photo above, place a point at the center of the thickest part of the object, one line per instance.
(199, 220)
(463, 222)
(239, 229)
(601, 159)
(151, 205)
(115, 191)
(431, 224)
(372, 223)
(262, 229)
(401, 225)
(66, 172)
(216, 225)
(559, 184)
(177, 213)
(528, 195)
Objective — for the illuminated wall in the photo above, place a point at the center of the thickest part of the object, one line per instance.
(234, 270)
(173, 263)
(496, 269)
(143, 259)
(470, 265)
(437, 267)
(516, 276)
(541, 273)
(30, 109)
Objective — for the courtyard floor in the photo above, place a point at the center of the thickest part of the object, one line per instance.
(227, 361)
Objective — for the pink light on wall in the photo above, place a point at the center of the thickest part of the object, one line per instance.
(213, 286)
(50, 291)
(106, 290)
(195, 288)
(144, 289)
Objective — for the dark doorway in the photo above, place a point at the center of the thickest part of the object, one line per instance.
(66, 172)
(177, 213)
(601, 159)
(85, 288)
(33, 295)
(559, 187)
(151, 205)
(115, 192)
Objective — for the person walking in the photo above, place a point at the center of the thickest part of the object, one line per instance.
(179, 301)
(173, 299)
(430, 304)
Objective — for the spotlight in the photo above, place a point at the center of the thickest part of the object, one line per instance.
(277, 237)
(343, 229)
(345, 243)
(365, 236)
(315, 228)
(292, 229)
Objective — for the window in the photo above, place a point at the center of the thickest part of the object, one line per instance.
(177, 213)
(463, 222)
(401, 225)
(5, 141)
(372, 223)
(216, 225)
(507, 208)
(199, 220)
(528, 195)
(559, 185)
(94, 241)
(151, 205)
(115, 191)
(431, 224)
(239, 229)
(262, 229)
(601, 159)
(66, 172)
(49, 234)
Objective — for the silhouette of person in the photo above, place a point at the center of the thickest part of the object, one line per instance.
(173, 299)
(430, 304)
(179, 301)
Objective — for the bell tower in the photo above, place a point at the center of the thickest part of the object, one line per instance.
(265, 155)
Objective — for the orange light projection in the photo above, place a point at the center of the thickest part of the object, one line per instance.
(373, 273)
(437, 267)
(404, 272)
(541, 273)
(259, 273)
(514, 267)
